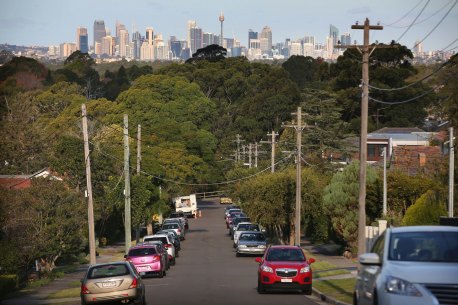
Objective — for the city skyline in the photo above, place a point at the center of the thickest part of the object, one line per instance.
(48, 22)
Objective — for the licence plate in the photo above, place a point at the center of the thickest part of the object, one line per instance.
(286, 280)
(108, 284)
(142, 268)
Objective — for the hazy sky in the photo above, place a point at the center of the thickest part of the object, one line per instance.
(51, 22)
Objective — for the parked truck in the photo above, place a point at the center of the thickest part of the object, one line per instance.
(187, 205)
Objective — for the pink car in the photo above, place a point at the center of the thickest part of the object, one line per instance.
(148, 260)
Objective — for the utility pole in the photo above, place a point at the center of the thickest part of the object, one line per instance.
(384, 183)
(366, 50)
(256, 154)
(238, 141)
(139, 152)
(272, 142)
(90, 205)
(297, 215)
(127, 220)
(451, 172)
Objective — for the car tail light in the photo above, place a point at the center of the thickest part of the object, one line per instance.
(168, 246)
(179, 231)
(156, 258)
(84, 289)
(134, 284)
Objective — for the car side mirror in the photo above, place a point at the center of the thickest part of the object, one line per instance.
(311, 260)
(258, 260)
(369, 259)
(125, 255)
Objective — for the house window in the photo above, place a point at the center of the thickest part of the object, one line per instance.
(371, 151)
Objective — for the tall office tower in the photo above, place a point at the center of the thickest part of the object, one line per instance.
(82, 40)
(418, 49)
(295, 48)
(191, 24)
(209, 39)
(334, 33)
(107, 45)
(345, 39)
(229, 43)
(309, 39)
(196, 39)
(221, 37)
(266, 40)
(123, 42)
(119, 27)
(252, 35)
(136, 44)
(99, 31)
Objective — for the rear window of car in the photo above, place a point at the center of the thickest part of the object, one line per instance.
(111, 270)
(162, 239)
(252, 237)
(285, 255)
(171, 226)
(142, 251)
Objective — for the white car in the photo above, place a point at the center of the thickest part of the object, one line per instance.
(175, 225)
(410, 265)
(244, 226)
(166, 241)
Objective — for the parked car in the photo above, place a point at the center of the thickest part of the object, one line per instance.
(176, 238)
(180, 215)
(168, 244)
(410, 265)
(232, 215)
(251, 242)
(284, 268)
(228, 211)
(235, 221)
(244, 226)
(225, 200)
(177, 227)
(115, 281)
(161, 248)
(148, 260)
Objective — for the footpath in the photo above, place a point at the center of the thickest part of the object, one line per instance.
(40, 295)
(327, 253)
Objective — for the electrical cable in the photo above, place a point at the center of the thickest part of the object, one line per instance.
(427, 18)
(405, 15)
(410, 26)
(403, 102)
(435, 27)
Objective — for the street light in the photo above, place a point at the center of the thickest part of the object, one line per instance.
(384, 181)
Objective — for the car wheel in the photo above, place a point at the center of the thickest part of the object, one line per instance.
(375, 297)
(177, 254)
(234, 246)
(161, 274)
(307, 291)
(237, 254)
(261, 288)
(164, 273)
(173, 262)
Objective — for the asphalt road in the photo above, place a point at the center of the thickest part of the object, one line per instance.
(208, 272)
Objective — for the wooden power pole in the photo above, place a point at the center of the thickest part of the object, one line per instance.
(127, 217)
(366, 51)
(272, 142)
(90, 205)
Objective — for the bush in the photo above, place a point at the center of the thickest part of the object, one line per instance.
(426, 210)
(7, 283)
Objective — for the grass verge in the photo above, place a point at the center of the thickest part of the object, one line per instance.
(66, 293)
(341, 289)
(323, 269)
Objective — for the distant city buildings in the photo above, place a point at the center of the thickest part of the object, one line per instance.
(260, 46)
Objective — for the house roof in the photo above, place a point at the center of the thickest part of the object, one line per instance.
(417, 159)
(23, 181)
(398, 130)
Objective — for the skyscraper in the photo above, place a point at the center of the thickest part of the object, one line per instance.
(196, 39)
(252, 35)
(266, 40)
(123, 43)
(191, 24)
(137, 43)
(334, 33)
(345, 39)
(82, 40)
(99, 31)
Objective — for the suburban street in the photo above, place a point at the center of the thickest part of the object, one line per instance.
(208, 270)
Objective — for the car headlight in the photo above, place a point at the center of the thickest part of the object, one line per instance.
(305, 269)
(402, 287)
(267, 269)
(242, 246)
(262, 246)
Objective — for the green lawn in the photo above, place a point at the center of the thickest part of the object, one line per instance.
(320, 267)
(66, 293)
(341, 289)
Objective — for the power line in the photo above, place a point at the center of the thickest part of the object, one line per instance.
(405, 15)
(435, 27)
(408, 28)
(427, 18)
(403, 102)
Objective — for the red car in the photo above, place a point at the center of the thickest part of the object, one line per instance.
(148, 260)
(285, 268)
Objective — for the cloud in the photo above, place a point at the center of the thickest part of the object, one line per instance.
(359, 10)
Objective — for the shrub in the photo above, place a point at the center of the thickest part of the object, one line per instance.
(426, 210)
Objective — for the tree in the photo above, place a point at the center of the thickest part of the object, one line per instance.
(340, 201)
(210, 53)
(426, 210)
(302, 70)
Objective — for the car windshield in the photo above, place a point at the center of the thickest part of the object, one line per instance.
(142, 251)
(276, 255)
(424, 246)
(110, 270)
(252, 237)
